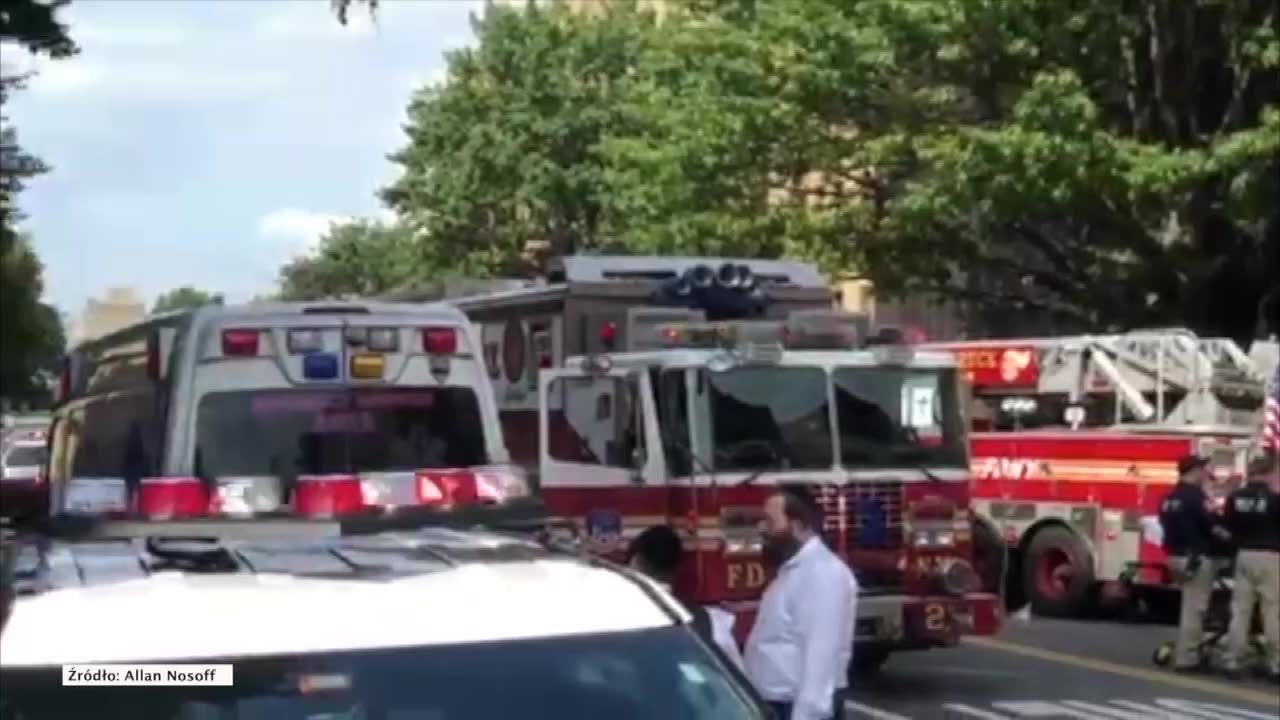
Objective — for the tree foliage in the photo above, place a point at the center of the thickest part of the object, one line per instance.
(507, 152)
(1086, 164)
(31, 333)
(358, 258)
(185, 298)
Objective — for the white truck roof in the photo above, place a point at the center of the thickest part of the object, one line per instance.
(430, 587)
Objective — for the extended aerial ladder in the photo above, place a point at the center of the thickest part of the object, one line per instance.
(1162, 379)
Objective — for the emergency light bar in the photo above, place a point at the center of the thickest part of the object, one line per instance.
(804, 330)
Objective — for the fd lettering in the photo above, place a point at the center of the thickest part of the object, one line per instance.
(745, 575)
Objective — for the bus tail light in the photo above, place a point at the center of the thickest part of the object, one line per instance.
(245, 496)
(609, 336)
(440, 340)
(164, 498)
(240, 343)
(327, 496)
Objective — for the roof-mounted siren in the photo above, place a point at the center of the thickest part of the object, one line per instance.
(728, 293)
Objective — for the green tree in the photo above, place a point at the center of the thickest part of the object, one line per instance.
(362, 258)
(184, 298)
(30, 330)
(1024, 155)
(506, 153)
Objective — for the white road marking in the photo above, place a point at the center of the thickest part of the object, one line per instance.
(969, 711)
(1156, 709)
(1222, 711)
(1102, 712)
(1042, 709)
(868, 711)
(1165, 714)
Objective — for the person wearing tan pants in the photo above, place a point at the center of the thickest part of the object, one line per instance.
(1253, 519)
(1188, 542)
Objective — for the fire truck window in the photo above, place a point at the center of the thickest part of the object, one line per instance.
(769, 418)
(899, 415)
(673, 418)
(593, 422)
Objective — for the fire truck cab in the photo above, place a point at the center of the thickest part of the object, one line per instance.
(699, 386)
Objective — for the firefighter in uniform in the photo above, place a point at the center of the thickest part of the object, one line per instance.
(1253, 518)
(1188, 537)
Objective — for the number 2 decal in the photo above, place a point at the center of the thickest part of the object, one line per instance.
(935, 617)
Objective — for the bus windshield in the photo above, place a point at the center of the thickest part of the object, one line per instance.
(896, 416)
(288, 433)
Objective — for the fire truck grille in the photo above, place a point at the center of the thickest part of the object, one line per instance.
(864, 522)
(867, 515)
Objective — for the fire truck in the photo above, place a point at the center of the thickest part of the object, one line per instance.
(1076, 441)
(682, 390)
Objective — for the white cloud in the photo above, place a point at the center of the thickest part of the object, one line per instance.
(298, 231)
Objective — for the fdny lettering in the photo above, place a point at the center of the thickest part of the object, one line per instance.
(745, 575)
(1007, 468)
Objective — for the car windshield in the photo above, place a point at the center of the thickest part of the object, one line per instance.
(899, 416)
(291, 432)
(26, 456)
(639, 675)
(769, 417)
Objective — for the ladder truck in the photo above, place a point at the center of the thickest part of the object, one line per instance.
(1076, 440)
(680, 391)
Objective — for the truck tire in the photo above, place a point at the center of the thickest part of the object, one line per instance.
(1057, 573)
(990, 555)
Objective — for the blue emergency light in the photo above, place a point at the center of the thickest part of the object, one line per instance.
(320, 366)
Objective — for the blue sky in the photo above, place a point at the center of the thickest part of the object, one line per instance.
(206, 142)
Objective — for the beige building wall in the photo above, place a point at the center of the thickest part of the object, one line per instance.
(117, 308)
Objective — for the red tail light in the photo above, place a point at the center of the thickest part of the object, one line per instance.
(446, 487)
(326, 496)
(240, 343)
(164, 498)
(608, 335)
(440, 340)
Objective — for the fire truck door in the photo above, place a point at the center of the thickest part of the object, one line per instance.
(596, 428)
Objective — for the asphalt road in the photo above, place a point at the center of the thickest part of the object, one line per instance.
(1056, 669)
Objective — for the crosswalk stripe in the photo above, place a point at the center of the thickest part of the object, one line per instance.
(973, 712)
(1102, 712)
(871, 712)
(1166, 714)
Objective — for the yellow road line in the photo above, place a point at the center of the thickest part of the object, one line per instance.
(1165, 678)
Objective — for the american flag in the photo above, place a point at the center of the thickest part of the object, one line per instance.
(1271, 415)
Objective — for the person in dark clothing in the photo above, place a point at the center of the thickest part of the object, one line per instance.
(1187, 523)
(657, 552)
(1253, 519)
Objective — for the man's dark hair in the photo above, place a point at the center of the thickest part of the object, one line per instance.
(799, 505)
(658, 549)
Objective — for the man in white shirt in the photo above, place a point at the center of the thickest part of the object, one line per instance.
(657, 552)
(798, 653)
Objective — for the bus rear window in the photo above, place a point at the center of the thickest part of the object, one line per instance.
(292, 432)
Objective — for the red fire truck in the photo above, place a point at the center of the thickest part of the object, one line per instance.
(680, 390)
(1076, 441)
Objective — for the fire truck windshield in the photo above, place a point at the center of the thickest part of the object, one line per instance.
(893, 416)
(769, 417)
(290, 432)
